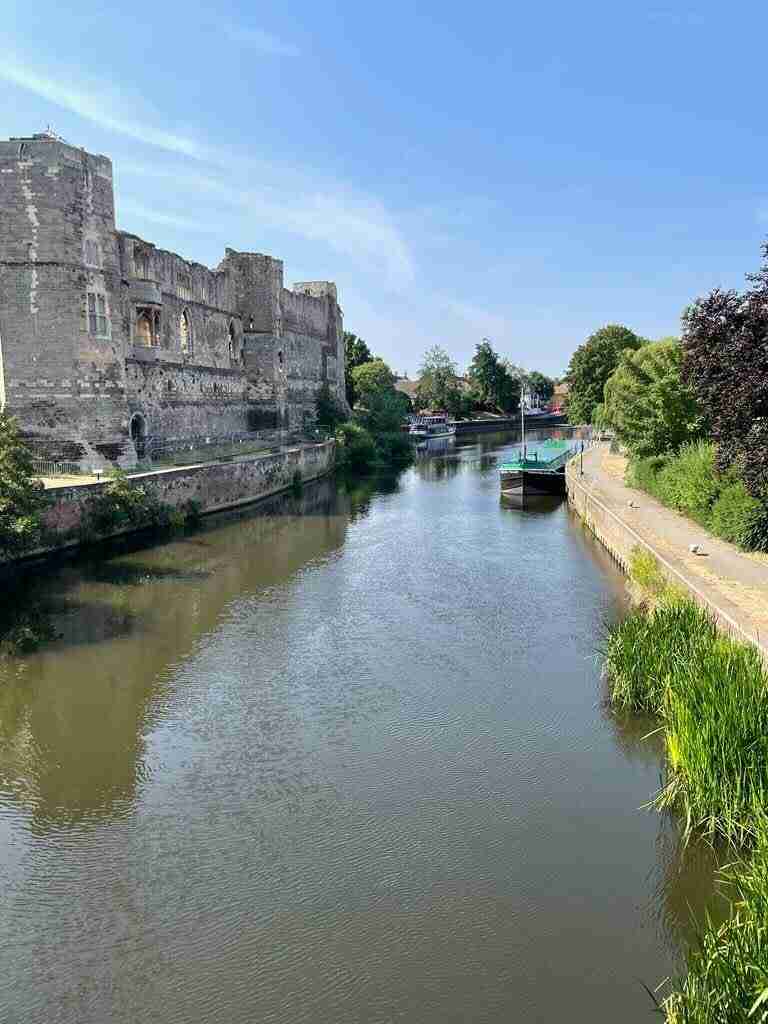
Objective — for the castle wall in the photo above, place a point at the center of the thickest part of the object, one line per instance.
(180, 400)
(56, 203)
(98, 325)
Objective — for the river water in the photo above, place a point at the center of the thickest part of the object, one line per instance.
(336, 758)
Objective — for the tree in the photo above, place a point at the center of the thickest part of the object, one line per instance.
(370, 377)
(438, 386)
(591, 365)
(725, 362)
(652, 411)
(22, 498)
(493, 383)
(540, 385)
(356, 352)
(380, 407)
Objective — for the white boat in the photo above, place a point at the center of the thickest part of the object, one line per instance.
(435, 425)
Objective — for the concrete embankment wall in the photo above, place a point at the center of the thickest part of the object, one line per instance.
(212, 485)
(621, 540)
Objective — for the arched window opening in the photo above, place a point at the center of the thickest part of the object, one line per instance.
(232, 343)
(144, 333)
(139, 433)
(185, 332)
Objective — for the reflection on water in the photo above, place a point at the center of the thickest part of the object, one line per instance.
(336, 758)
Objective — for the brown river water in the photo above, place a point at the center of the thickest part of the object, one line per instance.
(332, 759)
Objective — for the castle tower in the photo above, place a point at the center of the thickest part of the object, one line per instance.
(61, 332)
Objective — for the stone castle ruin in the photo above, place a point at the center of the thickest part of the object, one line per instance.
(107, 341)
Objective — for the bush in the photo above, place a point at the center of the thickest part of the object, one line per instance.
(355, 448)
(644, 473)
(123, 506)
(22, 498)
(740, 518)
(688, 483)
(394, 447)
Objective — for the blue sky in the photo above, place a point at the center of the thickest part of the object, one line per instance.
(525, 172)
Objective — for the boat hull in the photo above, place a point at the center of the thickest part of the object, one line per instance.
(522, 486)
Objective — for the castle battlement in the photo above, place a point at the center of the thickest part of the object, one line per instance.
(106, 337)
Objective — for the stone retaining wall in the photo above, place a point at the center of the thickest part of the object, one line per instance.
(212, 485)
(621, 541)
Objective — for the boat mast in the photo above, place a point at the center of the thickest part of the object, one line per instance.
(522, 414)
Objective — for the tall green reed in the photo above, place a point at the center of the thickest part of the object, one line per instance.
(727, 967)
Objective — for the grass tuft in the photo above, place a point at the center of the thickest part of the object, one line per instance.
(727, 968)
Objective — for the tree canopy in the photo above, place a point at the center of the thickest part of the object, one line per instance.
(438, 386)
(592, 364)
(381, 408)
(371, 377)
(652, 411)
(540, 385)
(22, 498)
(356, 352)
(725, 362)
(494, 385)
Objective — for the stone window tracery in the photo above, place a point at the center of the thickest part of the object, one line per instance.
(91, 252)
(98, 318)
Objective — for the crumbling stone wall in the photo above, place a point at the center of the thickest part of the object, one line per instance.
(58, 374)
(99, 325)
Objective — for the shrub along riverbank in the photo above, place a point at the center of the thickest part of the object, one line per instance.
(710, 695)
(689, 482)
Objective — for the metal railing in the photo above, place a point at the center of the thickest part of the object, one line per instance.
(47, 467)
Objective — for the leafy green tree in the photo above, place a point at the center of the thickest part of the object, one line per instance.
(371, 377)
(495, 386)
(381, 408)
(647, 404)
(592, 364)
(22, 498)
(438, 386)
(540, 385)
(356, 352)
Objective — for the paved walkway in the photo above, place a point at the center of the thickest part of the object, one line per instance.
(734, 582)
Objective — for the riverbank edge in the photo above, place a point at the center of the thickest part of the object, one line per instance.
(613, 529)
(210, 486)
(508, 423)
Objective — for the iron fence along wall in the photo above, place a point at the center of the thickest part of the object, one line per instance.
(47, 467)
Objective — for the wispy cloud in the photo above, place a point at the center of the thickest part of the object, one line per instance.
(172, 220)
(258, 39)
(353, 225)
(676, 18)
(98, 104)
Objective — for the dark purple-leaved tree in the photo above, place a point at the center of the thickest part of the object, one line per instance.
(725, 362)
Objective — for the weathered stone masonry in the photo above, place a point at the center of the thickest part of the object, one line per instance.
(106, 339)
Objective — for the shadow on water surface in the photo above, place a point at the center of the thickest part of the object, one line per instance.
(93, 688)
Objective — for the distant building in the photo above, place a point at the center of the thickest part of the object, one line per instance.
(559, 396)
(106, 340)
